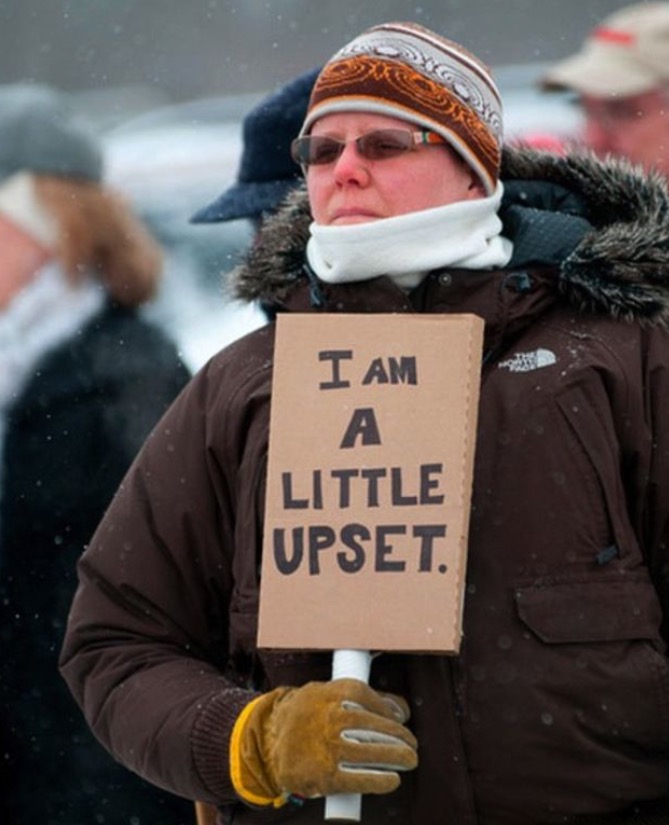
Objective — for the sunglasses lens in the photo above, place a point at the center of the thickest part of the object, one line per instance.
(385, 143)
(313, 150)
(318, 150)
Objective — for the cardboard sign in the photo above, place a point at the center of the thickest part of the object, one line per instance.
(371, 447)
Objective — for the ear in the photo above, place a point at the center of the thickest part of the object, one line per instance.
(475, 188)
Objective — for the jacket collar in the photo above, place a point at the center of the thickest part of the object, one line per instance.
(603, 225)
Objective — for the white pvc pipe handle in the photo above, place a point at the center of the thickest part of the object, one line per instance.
(352, 664)
(348, 664)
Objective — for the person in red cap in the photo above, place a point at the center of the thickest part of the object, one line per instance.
(621, 77)
(556, 708)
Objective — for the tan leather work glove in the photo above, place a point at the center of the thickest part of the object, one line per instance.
(320, 739)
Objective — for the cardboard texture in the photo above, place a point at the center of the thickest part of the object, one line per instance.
(372, 433)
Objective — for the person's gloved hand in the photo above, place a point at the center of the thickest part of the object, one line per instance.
(320, 739)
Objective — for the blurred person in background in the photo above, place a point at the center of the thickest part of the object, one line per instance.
(82, 381)
(621, 79)
(267, 172)
(265, 175)
(556, 709)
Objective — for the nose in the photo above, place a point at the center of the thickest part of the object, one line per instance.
(351, 167)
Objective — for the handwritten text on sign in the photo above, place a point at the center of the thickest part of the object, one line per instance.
(369, 473)
(361, 488)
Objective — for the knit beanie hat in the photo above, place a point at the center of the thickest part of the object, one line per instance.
(407, 71)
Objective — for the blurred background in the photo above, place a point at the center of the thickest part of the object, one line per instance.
(166, 83)
(179, 50)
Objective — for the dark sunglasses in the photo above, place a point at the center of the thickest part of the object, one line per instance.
(381, 144)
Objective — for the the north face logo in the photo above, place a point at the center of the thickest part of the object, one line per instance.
(528, 361)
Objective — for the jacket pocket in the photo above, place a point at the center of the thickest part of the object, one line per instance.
(580, 612)
(601, 657)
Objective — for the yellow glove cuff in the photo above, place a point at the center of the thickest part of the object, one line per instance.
(236, 762)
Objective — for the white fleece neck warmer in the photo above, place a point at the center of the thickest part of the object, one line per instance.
(405, 247)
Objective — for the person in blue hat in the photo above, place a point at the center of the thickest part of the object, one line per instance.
(266, 173)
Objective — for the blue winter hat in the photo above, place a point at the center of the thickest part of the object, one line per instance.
(40, 133)
(266, 170)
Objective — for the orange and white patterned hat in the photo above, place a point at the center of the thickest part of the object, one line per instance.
(405, 70)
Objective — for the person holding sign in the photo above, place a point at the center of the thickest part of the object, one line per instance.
(554, 708)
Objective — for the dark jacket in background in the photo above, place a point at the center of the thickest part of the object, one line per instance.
(557, 706)
(70, 437)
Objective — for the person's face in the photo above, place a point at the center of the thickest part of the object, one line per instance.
(634, 127)
(353, 189)
(21, 257)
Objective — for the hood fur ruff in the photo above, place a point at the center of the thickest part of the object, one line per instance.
(619, 267)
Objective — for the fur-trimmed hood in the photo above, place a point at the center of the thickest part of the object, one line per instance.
(604, 225)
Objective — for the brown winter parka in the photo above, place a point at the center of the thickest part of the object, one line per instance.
(557, 706)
